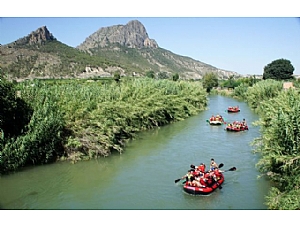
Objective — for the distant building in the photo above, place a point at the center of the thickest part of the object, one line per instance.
(287, 85)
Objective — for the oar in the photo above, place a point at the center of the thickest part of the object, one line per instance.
(177, 180)
(231, 169)
(220, 187)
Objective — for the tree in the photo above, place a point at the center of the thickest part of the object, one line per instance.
(162, 75)
(231, 81)
(14, 112)
(117, 76)
(150, 74)
(209, 81)
(175, 77)
(280, 69)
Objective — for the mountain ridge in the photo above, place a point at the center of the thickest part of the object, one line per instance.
(127, 49)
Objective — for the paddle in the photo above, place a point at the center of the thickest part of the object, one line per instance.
(192, 169)
(177, 180)
(220, 187)
(231, 169)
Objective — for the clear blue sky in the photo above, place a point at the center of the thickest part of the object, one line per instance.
(241, 44)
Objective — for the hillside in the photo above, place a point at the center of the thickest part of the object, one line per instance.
(123, 48)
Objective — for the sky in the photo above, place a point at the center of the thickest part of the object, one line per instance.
(239, 42)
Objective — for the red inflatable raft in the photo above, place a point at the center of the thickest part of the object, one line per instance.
(234, 128)
(233, 109)
(205, 190)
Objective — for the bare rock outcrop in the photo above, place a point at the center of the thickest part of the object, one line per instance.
(132, 35)
(39, 36)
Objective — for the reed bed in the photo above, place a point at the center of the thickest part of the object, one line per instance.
(279, 141)
(279, 146)
(84, 120)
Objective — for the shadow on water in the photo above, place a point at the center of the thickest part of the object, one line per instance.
(32, 193)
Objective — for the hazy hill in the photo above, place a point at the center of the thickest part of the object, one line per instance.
(124, 48)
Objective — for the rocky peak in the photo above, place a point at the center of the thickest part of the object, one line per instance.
(39, 36)
(132, 35)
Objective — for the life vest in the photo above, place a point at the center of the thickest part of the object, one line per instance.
(189, 177)
(202, 168)
(196, 172)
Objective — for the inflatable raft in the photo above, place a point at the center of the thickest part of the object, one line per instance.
(204, 190)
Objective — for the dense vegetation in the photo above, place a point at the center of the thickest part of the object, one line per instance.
(14, 112)
(280, 148)
(209, 81)
(31, 129)
(92, 119)
(279, 143)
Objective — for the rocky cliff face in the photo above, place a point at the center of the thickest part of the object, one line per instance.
(39, 36)
(131, 35)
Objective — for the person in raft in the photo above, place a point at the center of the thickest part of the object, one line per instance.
(244, 123)
(198, 169)
(199, 181)
(213, 164)
(189, 177)
(201, 168)
(217, 173)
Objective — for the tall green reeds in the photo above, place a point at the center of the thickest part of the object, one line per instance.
(279, 143)
(279, 146)
(41, 140)
(93, 119)
(102, 117)
(263, 90)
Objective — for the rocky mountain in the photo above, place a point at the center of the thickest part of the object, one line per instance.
(131, 35)
(41, 35)
(123, 48)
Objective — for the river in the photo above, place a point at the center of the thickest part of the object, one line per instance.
(142, 178)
